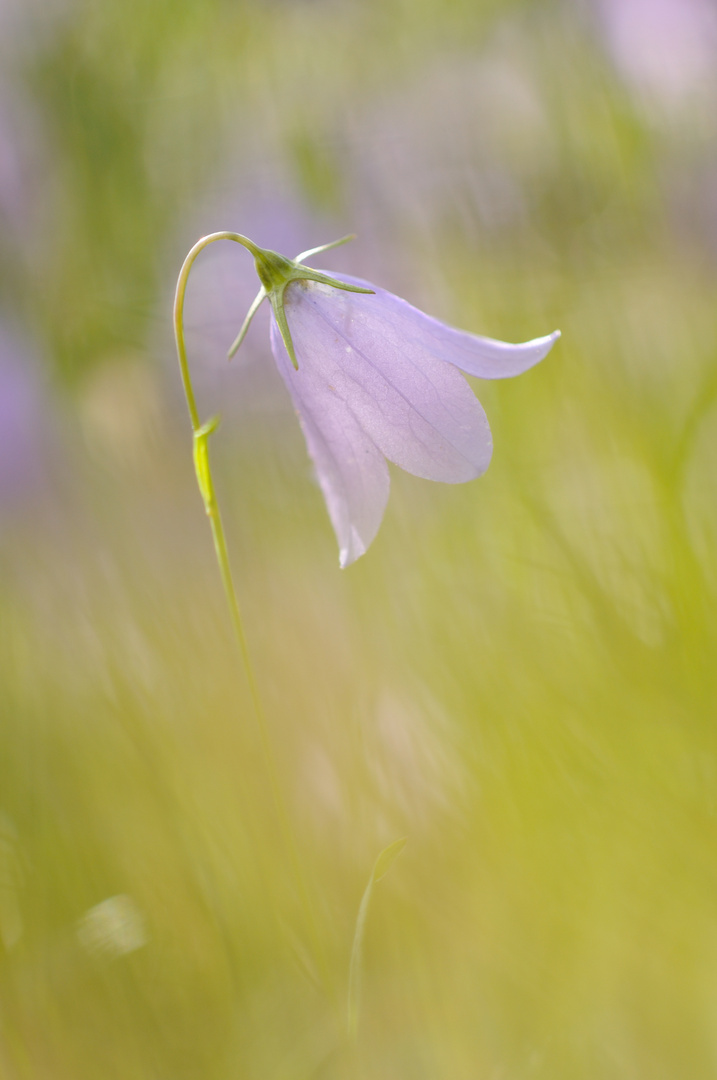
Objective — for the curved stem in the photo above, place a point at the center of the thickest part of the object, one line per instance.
(201, 459)
(205, 481)
(179, 311)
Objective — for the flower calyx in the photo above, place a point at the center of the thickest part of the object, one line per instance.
(275, 272)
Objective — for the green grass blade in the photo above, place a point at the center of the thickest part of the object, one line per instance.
(381, 867)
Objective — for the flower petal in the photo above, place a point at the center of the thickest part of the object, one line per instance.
(416, 408)
(481, 356)
(351, 470)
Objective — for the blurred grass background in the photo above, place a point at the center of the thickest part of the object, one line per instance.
(520, 676)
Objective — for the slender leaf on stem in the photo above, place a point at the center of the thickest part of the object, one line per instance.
(201, 462)
(381, 867)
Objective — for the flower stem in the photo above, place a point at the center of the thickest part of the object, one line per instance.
(205, 481)
(202, 468)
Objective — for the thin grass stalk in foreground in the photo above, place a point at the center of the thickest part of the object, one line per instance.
(380, 868)
(205, 481)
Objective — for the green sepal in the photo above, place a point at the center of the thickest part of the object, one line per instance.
(277, 304)
(324, 279)
(245, 325)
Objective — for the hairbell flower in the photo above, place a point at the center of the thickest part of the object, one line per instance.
(373, 378)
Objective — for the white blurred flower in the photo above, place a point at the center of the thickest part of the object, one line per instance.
(113, 927)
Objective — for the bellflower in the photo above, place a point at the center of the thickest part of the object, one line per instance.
(374, 379)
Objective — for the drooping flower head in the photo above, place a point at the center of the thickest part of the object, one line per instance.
(373, 378)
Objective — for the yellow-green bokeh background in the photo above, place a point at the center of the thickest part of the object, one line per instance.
(520, 676)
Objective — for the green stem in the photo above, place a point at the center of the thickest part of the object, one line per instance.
(201, 462)
(206, 486)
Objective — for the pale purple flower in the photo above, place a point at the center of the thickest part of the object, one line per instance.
(23, 424)
(378, 379)
(373, 378)
(667, 49)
